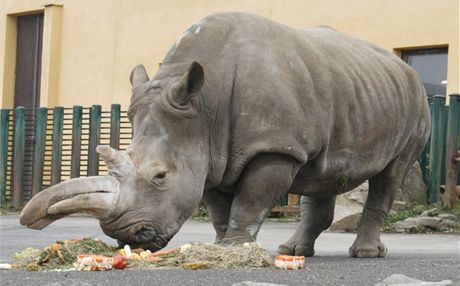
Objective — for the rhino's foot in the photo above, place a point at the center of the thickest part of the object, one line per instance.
(368, 250)
(236, 237)
(234, 241)
(298, 249)
(220, 235)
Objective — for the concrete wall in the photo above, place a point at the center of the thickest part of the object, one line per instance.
(91, 46)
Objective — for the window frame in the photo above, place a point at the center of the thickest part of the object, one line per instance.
(406, 53)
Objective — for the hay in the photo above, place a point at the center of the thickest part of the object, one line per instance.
(26, 257)
(210, 255)
(61, 254)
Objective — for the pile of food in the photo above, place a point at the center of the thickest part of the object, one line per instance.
(93, 254)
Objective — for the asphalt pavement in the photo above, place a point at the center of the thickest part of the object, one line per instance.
(430, 257)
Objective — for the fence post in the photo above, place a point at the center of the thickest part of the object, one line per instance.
(424, 157)
(19, 141)
(436, 148)
(445, 114)
(452, 156)
(115, 126)
(458, 124)
(39, 150)
(56, 158)
(94, 136)
(423, 160)
(77, 116)
(4, 129)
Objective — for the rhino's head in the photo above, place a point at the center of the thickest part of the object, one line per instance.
(154, 186)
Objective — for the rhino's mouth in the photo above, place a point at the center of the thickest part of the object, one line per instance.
(145, 234)
(148, 238)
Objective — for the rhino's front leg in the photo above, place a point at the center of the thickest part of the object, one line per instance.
(219, 204)
(266, 178)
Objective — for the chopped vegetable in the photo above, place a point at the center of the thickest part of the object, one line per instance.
(289, 262)
(119, 262)
(94, 262)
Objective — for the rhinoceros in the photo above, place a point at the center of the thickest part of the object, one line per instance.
(242, 111)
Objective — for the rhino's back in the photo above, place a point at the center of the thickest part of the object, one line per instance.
(342, 106)
(375, 101)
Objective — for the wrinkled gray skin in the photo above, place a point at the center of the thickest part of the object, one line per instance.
(242, 111)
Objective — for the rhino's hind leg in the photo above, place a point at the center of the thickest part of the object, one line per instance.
(266, 178)
(317, 215)
(382, 191)
(381, 195)
(219, 205)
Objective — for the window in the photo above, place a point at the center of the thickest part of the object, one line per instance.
(431, 65)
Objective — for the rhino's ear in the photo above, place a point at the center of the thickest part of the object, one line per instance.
(138, 76)
(188, 86)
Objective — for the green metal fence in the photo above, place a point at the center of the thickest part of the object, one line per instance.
(449, 196)
(44, 146)
(440, 157)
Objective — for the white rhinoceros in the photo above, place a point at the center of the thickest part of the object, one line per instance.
(242, 111)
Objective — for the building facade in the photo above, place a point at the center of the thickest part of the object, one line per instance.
(82, 52)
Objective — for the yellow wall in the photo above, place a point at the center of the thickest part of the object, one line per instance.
(91, 46)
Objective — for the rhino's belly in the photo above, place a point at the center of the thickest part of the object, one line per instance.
(336, 175)
(325, 187)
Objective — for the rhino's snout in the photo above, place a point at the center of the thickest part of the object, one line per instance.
(145, 238)
(145, 234)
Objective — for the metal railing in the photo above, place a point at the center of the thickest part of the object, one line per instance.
(439, 164)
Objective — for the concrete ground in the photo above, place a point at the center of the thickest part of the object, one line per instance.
(432, 257)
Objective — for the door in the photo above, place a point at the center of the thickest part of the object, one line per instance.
(28, 60)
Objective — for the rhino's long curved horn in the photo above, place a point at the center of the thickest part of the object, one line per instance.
(95, 195)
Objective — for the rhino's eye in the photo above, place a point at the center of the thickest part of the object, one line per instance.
(160, 178)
